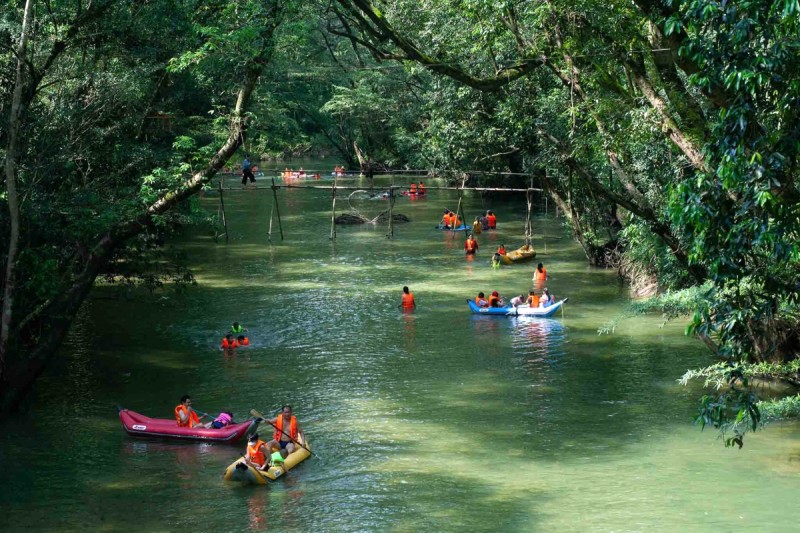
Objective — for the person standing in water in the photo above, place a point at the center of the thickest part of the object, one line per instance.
(407, 301)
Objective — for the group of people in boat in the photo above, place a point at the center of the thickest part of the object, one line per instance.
(450, 220)
(532, 300)
(261, 455)
(338, 171)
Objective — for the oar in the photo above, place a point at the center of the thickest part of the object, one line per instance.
(256, 414)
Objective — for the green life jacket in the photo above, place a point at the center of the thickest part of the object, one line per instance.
(276, 458)
(237, 329)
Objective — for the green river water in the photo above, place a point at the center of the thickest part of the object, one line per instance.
(437, 420)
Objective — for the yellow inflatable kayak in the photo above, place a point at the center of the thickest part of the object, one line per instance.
(523, 253)
(243, 472)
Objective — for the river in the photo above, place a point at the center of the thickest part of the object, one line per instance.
(437, 420)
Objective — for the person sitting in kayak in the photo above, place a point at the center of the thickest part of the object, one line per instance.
(287, 430)
(481, 301)
(242, 340)
(547, 299)
(495, 300)
(518, 300)
(185, 415)
(501, 249)
(477, 227)
(446, 219)
(533, 300)
(470, 245)
(257, 452)
(225, 418)
(278, 457)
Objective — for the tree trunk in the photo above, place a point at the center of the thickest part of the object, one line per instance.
(16, 116)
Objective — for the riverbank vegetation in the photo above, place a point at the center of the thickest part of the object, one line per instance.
(666, 132)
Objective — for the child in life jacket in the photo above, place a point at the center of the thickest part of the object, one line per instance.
(277, 457)
(242, 340)
(225, 418)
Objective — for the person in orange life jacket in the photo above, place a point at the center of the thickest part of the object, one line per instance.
(540, 273)
(185, 415)
(407, 301)
(287, 430)
(533, 300)
(446, 219)
(470, 245)
(421, 188)
(502, 249)
(229, 342)
(257, 452)
(242, 340)
(412, 189)
(491, 220)
(454, 222)
(495, 300)
(224, 419)
(480, 300)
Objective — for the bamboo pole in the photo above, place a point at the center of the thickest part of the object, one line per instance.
(271, 212)
(277, 209)
(391, 212)
(459, 211)
(333, 210)
(528, 225)
(222, 208)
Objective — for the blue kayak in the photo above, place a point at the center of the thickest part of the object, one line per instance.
(462, 227)
(544, 312)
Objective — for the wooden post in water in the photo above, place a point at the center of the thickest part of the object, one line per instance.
(277, 209)
(391, 212)
(528, 225)
(459, 211)
(222, 209)
(333, 210)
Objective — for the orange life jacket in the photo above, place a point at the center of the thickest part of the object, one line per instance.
(481, 302)
(225, 343)
(491, 221)
(245, 342)
(470, 245)
(191, 416)
(412, 188)
(494, 301)
(255, 453)
(408, 301)
(501, 251)
(533, 301)
(454, 222)
(278, 435)
(540, 275)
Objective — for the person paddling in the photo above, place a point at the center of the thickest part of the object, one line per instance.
(287, 430)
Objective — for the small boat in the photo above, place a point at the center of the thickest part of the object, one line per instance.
(160, 428)
(523, 253)
(544, 312)
(462, 227)
(245, 473)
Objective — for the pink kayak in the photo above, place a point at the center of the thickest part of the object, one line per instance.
(142, 426)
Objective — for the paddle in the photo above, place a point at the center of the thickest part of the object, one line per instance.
(256, 414)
